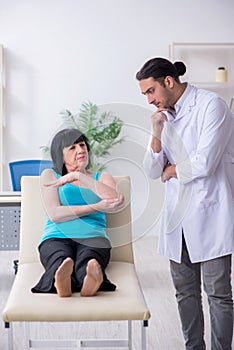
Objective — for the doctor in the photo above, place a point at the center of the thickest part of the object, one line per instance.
(191, 148)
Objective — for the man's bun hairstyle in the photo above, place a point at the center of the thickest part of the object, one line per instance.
(180, 67)
(161, 67)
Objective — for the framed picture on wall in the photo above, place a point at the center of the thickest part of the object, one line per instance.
(232, 105)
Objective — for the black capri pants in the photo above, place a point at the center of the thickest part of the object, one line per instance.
(54, 251)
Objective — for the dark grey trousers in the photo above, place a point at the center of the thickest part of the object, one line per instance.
(216, 275)
(54, 250)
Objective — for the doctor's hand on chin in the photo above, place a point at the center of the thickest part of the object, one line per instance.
(158, 119)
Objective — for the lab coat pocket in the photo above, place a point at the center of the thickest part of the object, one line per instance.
(205, 198)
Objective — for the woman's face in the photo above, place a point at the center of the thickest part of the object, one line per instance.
(76, 157)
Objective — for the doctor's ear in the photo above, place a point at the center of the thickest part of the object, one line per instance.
(169, 81)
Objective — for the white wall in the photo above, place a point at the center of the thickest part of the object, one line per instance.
(59, 53)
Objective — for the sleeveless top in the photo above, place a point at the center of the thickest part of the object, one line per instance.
(88, 226)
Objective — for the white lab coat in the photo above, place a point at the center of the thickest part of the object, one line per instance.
(200, 141)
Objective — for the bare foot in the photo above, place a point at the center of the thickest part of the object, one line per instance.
(93, 279)
(63, 278)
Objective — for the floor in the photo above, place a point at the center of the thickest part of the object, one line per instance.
(163, 333)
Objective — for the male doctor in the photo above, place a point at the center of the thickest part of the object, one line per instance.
(192, 149)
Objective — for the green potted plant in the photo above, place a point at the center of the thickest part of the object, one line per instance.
(101, 128)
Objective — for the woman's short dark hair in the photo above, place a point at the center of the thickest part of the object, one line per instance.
(62, 139)
(160, 67)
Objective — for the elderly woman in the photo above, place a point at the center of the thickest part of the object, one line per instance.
(75, 249)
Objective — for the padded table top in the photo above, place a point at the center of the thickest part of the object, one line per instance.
(126, 303)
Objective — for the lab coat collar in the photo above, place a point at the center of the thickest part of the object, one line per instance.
(185, 103)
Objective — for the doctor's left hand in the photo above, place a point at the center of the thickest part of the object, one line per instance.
(168, 172)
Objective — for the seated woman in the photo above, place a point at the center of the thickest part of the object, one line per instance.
(75, 249)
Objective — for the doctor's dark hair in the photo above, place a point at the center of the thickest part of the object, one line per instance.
(158, 67)
(62, 139)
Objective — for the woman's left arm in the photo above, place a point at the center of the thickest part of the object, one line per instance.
(105, 188)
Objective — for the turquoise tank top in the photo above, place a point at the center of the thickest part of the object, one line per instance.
(87, 226)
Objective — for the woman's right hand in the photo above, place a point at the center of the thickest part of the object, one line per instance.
(110, 205)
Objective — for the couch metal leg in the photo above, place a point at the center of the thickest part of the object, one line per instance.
(129, 334)
(27, 335)
(10, 335)
(143, 335)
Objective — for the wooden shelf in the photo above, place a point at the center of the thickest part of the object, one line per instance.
(202, 60)
(173, 46)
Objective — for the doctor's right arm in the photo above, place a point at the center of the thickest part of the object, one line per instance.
(155, 160)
